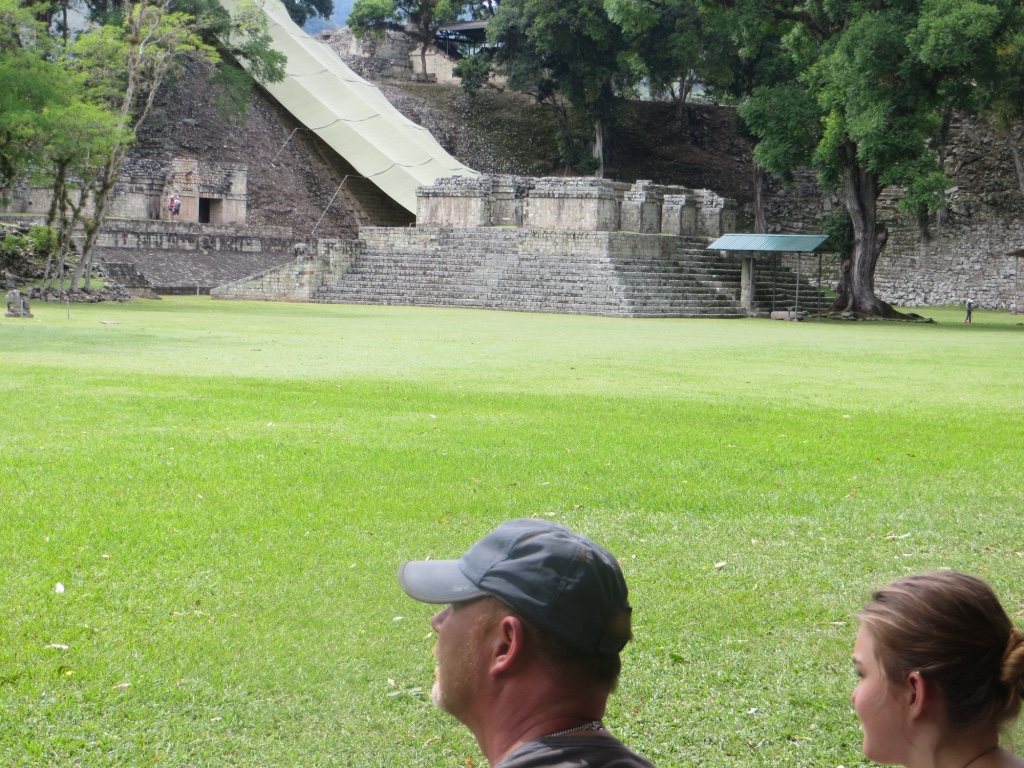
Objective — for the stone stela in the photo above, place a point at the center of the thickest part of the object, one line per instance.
(17, 305)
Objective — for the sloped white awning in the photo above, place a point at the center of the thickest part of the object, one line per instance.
(352, 115)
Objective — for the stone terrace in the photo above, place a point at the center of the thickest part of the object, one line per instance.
(593, 273)
(184, 258)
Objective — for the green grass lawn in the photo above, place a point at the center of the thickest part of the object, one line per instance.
(225, 491)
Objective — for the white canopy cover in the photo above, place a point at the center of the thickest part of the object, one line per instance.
(352, 115)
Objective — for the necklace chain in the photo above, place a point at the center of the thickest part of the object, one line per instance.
(980, 755)
(593, 725)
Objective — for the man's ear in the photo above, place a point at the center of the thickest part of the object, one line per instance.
(508, 644)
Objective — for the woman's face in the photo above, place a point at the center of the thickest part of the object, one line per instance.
(878, 706)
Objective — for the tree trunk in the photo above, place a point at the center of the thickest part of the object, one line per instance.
(1013, 139)
(101, 197)
(857, 276)
(760, 219)
(599, 147)
(941, 215)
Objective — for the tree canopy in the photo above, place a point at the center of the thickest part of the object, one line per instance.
(882, 75)
(422, 18)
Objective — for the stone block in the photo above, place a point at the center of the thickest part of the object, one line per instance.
(679, 214)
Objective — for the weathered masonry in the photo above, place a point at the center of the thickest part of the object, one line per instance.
(574, 204)
(211, 193)
(566, 245)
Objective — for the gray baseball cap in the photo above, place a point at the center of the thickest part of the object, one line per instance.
(560, 581)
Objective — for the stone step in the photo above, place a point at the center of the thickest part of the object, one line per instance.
(483, 270)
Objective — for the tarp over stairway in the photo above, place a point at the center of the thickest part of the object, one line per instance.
(352, 116)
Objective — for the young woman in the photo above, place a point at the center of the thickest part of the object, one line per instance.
(941, 670)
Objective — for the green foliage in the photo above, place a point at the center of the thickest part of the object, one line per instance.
(16, 256)
(232, 91)
(111, 11)
(375, 17)
(586, 165)
(44, 240)
(886, 76)
(925, 187)
(248, 41)
(30, 84)
(785, 119)
(423, 17)
(228, 541)
(12, 245)
(839, 227)
(302, 10)
(474, 71)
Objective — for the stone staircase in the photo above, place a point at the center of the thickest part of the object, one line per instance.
(778, 287)
(593, 273)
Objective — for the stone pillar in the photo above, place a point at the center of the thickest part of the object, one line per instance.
(679, 214)
(717, 215)
(747, 283)
(728, 221)
(18, 305)
(642, 209)
(508, 193)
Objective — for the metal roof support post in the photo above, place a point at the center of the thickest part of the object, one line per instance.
(819, 286)
(798, 261)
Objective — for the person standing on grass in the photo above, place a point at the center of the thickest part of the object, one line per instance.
(970, 309)
(941, 670)
(528, 646)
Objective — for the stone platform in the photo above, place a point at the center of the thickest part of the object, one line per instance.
(615, 274)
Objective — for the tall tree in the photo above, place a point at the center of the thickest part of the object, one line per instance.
(884, 73)
(422, 18)
(673, 45)
(764, 65)
(562, 51)
(31, 84)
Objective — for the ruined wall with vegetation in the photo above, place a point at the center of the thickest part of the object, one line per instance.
(965, 256)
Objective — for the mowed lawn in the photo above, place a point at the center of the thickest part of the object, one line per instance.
(225, 490)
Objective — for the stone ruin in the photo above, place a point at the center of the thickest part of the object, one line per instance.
(567, 245)
(18, 305)
(574, 204)
(211, 193)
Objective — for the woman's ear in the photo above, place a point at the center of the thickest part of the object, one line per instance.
(918, 695)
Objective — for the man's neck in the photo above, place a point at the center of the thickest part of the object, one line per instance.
(515, 720)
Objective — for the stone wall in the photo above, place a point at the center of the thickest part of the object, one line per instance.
(223, 187)
(395, 56)
(183, 237)
(145, 184)
(327, 260)
(375, 58)
(581, 204)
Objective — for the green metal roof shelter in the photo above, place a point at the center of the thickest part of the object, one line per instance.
(774, 244)
(770, 243)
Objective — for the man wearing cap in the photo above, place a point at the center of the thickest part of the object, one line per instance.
(528, 646)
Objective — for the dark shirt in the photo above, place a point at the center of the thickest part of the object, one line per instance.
(598, 751)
